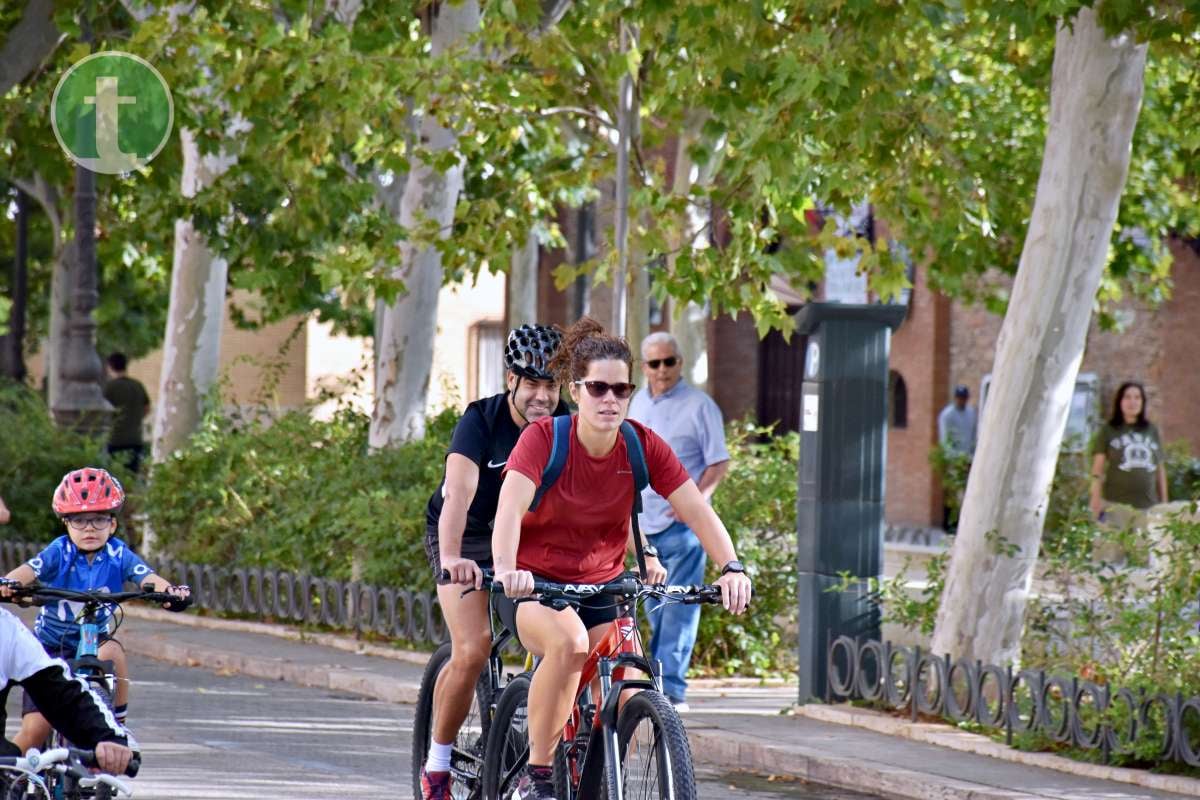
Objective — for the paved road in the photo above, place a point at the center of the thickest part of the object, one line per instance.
(212, 737)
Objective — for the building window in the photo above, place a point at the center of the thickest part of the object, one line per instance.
(897, 400)
(486, 348)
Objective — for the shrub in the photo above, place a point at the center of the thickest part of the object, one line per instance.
(34, 455)
(296, 493)
(757, 502)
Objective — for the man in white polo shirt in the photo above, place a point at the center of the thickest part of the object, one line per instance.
(691, 423)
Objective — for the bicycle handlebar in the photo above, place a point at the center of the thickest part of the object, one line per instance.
(627, 586)
(35, 592)
(37, 761)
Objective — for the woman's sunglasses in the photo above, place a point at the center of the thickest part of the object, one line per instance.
(667, 362)
(598, 389)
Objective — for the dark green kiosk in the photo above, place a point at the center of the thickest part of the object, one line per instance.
(843, 454)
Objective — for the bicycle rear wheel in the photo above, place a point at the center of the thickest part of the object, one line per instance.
(472, 736)
(508, 740)
(656, 761)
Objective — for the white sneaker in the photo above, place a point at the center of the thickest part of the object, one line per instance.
(681, 707)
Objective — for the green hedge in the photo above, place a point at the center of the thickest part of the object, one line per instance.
(300, 494)
(34, 455)
(757, 502)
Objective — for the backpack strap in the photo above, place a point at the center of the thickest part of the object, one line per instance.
(559, 448)
(637, 463)
(641, 479)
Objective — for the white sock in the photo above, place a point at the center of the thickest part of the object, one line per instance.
(439, 757)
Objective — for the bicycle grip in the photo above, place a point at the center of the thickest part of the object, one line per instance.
(179, 604)
(88, 759)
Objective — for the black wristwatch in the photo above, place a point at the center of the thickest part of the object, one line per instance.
(733, 566)
(650, 550)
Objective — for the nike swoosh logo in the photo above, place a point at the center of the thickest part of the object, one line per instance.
(496, 466)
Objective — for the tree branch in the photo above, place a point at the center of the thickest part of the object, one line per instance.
(28, 44)
(552, 13)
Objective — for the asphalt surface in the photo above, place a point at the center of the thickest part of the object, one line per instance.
(208, 736)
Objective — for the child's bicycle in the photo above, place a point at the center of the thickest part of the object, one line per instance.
(87, 664)
(59, 774)
(466, 755)
(640, 753)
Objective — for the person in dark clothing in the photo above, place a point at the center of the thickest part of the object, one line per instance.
(128, 396)
(459, 519)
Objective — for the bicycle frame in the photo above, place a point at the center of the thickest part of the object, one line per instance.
(617, 653)
(612, 657)
(86, 661)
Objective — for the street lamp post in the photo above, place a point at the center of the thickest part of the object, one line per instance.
(81, 404)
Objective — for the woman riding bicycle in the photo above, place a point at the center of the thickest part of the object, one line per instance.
(580, 530)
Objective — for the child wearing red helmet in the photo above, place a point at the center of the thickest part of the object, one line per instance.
(87, 558)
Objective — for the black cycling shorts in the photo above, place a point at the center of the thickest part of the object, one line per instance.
(595, 610)
(470, 549)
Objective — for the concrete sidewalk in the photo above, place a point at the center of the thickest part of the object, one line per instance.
(733, 725)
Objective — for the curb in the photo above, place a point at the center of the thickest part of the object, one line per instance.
(964, 742)
(336, 679)
(744, 754)
(337, 641)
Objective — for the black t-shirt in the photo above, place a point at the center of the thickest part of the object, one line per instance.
(129, 398)
(486, 434)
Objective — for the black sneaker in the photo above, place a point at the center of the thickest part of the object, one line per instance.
(537, 783)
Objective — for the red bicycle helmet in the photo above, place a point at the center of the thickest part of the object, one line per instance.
(88, 489)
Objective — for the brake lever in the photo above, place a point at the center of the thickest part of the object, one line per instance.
(91, 781)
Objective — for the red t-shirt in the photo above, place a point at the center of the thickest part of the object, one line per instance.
(579, 532)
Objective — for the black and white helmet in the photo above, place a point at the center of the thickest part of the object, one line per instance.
(529, 350)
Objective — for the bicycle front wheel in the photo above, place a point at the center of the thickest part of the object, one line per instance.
(16, 784)
(508, 740)
(656, 761)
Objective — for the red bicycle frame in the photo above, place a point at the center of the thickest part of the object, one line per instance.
(610, 660)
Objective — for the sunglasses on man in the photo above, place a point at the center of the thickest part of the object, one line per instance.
(598, 389)
(667, 362)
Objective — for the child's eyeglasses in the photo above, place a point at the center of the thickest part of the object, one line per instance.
(95, 522)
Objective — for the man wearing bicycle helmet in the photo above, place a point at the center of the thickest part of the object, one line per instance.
(87, 558)
(459, 528)
(579, 532)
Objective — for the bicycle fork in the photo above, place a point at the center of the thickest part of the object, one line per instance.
(603, 764)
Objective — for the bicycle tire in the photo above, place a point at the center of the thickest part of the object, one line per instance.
(16, 785)
(423, 719)
(564, 789)
(99, 685)
(665, 773)
(504, 750)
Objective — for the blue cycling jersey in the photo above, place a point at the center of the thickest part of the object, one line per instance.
(63, 566)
